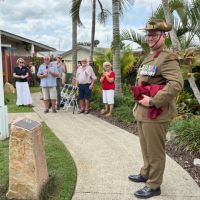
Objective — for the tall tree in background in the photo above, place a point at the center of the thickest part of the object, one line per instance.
(186, 19)
(74, 46)
(117, 10)
(74, 40)
(102, 16)
(93, 29)
(116, 46)
(168, 17)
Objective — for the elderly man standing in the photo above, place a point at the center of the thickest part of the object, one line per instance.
(48, 72)
(85, 77)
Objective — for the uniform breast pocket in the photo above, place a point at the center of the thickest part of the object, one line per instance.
(143, 79)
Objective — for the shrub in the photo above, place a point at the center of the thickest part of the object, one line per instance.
(187, 133)
(187, 103)
(123, 104)
(96, 101)
(124, 114)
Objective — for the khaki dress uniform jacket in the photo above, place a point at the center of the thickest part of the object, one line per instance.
(157, 70)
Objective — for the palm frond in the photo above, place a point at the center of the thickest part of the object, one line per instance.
(75, 11)
(177, 7)
(131, 35)
(103, 15)
(123, 4)
(158, 13)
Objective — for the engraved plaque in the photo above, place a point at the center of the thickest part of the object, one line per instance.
(27, 124)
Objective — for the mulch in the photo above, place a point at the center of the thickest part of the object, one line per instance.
(183, 157)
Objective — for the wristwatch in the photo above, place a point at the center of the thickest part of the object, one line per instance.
(151, 102)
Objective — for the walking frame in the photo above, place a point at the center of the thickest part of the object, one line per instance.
(69, 97)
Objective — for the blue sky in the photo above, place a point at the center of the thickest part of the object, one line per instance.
(49, 21)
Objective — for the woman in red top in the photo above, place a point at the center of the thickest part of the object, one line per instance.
(108, 87)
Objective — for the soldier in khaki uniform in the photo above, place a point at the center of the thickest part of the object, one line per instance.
(160, 67)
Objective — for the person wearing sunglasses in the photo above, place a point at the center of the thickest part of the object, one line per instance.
(159, 68)
(21, 74)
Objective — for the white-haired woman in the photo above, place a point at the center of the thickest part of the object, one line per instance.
(108, 87)
(23, 93)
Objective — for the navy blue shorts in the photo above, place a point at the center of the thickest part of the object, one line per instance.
(84, 91)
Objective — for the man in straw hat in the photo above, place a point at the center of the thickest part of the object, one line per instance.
(159, 71)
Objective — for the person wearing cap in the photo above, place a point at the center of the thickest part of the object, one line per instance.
(160, 67)
(108, 87)
(61, 70)
(85, 78)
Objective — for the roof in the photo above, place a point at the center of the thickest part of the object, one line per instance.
(86, 48)
(17, 38)
(53, 53)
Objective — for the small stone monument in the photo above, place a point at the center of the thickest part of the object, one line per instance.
(27, 163)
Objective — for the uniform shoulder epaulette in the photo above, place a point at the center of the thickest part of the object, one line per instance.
(170, 54)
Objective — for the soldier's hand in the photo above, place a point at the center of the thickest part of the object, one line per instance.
(145, 101)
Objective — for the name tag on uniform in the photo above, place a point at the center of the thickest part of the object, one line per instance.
(148, 70)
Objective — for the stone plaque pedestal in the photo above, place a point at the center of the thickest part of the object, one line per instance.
(27, 164)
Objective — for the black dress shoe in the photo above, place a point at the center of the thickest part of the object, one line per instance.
(147, 192)
(137, 178)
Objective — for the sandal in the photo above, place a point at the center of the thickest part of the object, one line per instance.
(103, 111)
(86, 111)
(80, 111)
(108, 115)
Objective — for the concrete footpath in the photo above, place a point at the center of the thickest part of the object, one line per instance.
(105, 155)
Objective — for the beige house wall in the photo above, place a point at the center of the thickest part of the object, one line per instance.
(80, 55)
(18, 49)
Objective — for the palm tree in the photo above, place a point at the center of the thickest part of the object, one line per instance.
(186, 23)
(187, 27)
(116, 46)
(117, 8)
(102, 16)
(186, 19)
(74, 46)
(74, 39)
(168, 16)
(93, 29)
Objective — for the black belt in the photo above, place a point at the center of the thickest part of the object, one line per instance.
(85, 84)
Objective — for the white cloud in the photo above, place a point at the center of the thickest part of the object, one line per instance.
(49, 21)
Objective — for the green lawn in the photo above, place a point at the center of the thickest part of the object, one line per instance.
(61, 168)
(10, 101)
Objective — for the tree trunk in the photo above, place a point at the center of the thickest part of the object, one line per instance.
(168, 16)
(93, 29)
(116, 45)
(74, 46)
(194, 88)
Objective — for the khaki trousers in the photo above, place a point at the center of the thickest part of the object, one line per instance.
(152, 140)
